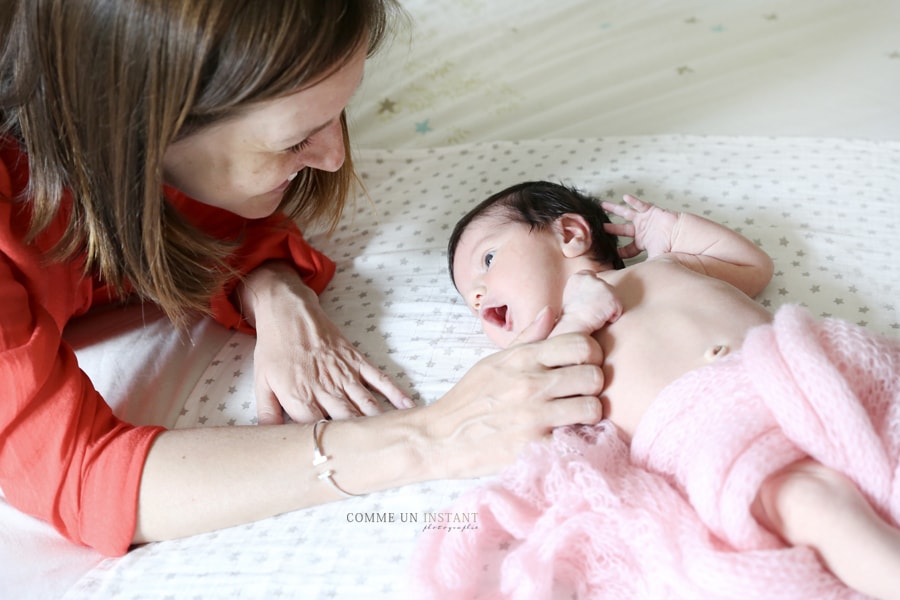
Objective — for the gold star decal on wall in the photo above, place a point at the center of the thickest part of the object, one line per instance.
(387, 105)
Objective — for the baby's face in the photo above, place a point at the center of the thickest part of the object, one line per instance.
(507, 273)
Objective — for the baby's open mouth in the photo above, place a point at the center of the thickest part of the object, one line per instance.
(496, 315)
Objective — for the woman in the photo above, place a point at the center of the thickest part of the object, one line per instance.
(162, 149)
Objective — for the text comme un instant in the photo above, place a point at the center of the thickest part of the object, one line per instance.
(443, 518)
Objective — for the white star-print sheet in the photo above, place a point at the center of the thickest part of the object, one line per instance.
(825, 209)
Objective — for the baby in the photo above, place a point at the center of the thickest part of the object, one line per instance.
(538, 244)
(689, 304)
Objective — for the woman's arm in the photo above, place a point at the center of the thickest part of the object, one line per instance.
(199, 480)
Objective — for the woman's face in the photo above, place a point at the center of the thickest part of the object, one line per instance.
(244, 165)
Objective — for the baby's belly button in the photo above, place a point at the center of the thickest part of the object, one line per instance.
(716, 351)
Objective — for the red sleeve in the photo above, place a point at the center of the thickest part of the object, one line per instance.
(64, 457)
(262, 240)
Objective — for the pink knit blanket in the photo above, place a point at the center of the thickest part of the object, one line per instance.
(588, 517)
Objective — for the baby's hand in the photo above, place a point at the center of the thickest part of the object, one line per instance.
(651, 228)
(589, 303)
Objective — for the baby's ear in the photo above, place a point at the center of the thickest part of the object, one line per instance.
(575, 235)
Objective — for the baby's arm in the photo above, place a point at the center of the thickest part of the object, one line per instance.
(809, 504)
(697, 243)
(589, 303)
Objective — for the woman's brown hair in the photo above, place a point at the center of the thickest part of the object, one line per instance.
(95, 91)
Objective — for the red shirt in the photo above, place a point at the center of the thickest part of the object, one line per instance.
(64, 457)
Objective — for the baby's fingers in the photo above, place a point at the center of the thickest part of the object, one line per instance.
(621, 229)
(620, 210)
(629, 251)
(636, 203)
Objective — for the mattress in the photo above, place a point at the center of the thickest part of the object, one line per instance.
(774, 118)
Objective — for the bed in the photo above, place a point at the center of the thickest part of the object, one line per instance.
(778, 119)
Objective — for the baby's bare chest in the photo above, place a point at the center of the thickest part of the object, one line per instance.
(668, 328)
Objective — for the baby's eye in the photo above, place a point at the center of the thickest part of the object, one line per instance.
(488, 259)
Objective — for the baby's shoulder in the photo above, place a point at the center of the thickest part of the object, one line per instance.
(659, 269)
(662, 262)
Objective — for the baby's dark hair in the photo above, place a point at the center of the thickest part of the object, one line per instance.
(539, 204)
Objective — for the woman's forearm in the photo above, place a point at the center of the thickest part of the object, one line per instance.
(198, 480)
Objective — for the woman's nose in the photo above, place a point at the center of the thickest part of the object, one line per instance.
(328, 153)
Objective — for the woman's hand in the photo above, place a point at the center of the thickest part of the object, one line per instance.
(302, 362)
(651, 228)
(512, 398)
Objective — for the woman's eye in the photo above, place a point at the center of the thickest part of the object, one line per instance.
(300, 147)
(488, 259)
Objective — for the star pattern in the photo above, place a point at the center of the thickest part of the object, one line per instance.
(387, 106)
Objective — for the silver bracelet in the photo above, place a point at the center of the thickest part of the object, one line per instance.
(319, 459)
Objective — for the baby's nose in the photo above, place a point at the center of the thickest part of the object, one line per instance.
(477, 298)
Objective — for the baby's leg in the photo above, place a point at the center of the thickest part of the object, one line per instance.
(809, 504)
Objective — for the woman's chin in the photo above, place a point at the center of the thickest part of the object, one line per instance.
(260, 207)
